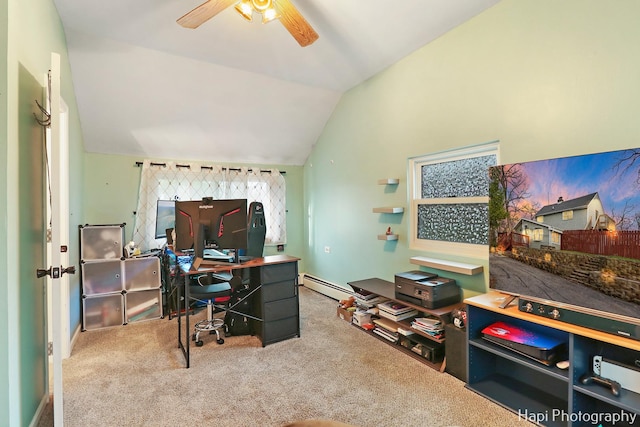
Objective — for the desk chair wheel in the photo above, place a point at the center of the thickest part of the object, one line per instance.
(200, 343)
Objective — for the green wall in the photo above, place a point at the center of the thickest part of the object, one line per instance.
(546, 78)
(110, 196)
(4, 278)
(30, 30)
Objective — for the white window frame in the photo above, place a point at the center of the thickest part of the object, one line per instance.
(414, 181)
(538, 234)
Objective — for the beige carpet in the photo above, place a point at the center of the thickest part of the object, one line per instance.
(134, 376)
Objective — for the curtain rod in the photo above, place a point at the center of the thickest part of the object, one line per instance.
(138, 164)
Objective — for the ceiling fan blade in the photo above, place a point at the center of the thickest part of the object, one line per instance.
(204, 12)
(295, 23)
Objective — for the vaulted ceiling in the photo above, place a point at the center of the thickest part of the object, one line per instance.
(230, 90)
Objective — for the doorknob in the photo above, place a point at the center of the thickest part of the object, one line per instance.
(42, 272)
(55, 272)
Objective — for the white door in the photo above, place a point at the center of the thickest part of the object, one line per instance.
(58, 149)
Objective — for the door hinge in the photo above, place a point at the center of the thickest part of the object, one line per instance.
(49, 235)
(49, 348)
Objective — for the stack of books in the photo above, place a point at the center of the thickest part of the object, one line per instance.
(386, 329)
(366, 299)
(405, 331)
(395, 311)
(364, 295)
(429, 325)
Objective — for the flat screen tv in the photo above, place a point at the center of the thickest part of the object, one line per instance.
(566, 232)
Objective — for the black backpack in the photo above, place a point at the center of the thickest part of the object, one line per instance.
(239, 324)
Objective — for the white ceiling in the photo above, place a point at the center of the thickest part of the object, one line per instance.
(232, 91)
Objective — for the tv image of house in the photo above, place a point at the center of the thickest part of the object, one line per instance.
(582, 213)
(539, 235)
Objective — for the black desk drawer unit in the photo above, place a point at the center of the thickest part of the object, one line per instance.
(274, 273)
(280, 330)
(278, 291)
(278, 306)
(281, 309)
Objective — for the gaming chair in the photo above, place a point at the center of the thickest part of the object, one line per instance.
(257, 229)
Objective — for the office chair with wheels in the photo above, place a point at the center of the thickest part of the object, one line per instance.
(216, 296)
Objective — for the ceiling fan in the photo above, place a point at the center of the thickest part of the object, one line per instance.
(283, 10)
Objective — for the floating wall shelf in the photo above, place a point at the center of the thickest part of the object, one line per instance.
(388, 210)
(452, 266)
(387, 237)
(388, 181)
(392, 210)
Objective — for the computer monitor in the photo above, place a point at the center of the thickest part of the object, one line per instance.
(209, 223)
(225, 224)
(186, 224)
(165, 217)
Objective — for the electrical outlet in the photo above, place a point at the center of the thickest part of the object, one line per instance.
(327, 249)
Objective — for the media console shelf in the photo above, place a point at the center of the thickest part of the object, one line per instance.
(386, 289)
(545, 394)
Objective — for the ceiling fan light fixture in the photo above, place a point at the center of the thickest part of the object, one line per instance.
(245, 9)
(261, 5)
(283, 10)
(269, 15)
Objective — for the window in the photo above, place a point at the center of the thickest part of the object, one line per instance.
(449, 194)
(540, 219)
(194, 181)
(538, 234)
(555, 237)
(567, 215)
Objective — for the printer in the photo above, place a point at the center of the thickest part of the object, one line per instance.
(426, 289)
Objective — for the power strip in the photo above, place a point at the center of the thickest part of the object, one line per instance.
(627, 376)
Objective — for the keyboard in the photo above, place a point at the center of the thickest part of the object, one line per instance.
(216, 255)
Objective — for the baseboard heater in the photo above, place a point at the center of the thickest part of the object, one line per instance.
(329, 289)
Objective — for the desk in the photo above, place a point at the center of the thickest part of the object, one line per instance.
(273, 285)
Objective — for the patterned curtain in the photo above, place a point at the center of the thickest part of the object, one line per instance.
(191, 181)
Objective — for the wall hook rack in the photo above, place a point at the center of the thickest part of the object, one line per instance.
(46, 122)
